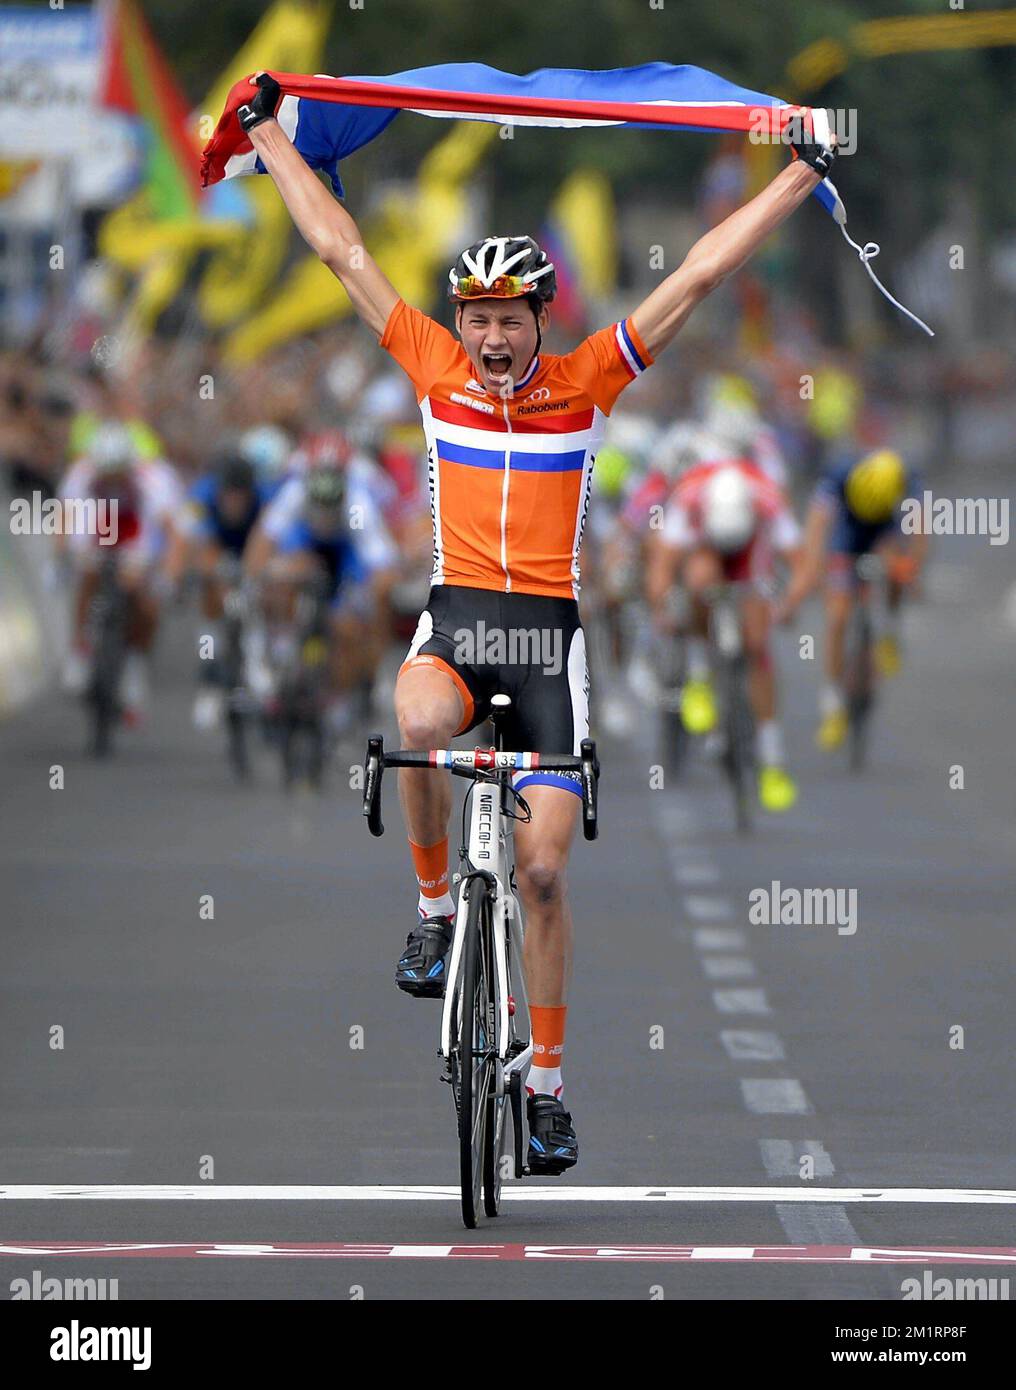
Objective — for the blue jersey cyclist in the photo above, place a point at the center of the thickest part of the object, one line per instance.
(854, 512)
(325, 527)
(222, 508)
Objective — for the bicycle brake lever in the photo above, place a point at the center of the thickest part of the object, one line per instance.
(590, 778)
(373, 771)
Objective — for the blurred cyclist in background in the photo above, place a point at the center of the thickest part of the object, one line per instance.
(855, 511)
(730, 415)
(268, 449)
(612, 573)
(222, 510)
(150, 545)
(327, 521)
(653, 667)
(726, 522)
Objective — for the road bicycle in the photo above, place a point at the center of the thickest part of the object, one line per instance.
(737, 726)
(486, 1050)
(303, 687)
(232, 671)
(859, 681)
(108, 613)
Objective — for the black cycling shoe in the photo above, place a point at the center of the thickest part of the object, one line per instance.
(552, 1143)
(422, 968)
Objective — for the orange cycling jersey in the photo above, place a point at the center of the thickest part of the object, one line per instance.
(509, 479)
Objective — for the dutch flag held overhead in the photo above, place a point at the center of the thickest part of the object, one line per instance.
(329, 118)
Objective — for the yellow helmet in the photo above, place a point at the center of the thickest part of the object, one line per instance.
(613, 469)
(875, 485)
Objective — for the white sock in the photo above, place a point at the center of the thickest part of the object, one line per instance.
(698, 659)
(830, 701)
(769, 743)
(544, 1081)
(444, 906)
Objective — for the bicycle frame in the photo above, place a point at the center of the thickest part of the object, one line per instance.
(490, 862)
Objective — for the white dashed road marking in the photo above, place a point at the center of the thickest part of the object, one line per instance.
(719, 939)
(703, 909)
(727, 968)
(782, 1157)
(741, 1001)
(780, 1097)
(747, 1046)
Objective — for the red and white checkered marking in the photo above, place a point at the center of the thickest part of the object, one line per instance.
(343, 1250)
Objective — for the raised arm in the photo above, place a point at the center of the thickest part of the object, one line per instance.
(726, 248)
(321, 219)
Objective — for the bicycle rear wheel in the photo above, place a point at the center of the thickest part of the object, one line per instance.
(475, 1054)
(740, 751)
(498, 1109)
(104, 690)
(237, 734)
(860, 687)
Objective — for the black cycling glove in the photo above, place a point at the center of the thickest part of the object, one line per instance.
(264, 105)
(816, 153)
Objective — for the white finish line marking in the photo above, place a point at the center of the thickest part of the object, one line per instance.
(209, 1192)
(336, 1250)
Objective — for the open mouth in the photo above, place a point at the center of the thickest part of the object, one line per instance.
(498, 365)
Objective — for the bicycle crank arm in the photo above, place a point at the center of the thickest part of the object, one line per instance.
(517, 1064)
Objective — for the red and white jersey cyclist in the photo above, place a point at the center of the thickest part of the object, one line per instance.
(734, 508)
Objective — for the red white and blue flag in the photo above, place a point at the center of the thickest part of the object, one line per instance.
(328, 118)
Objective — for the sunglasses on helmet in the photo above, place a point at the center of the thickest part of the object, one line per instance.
(504, 287)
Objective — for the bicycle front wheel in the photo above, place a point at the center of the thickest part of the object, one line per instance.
(475, 1053)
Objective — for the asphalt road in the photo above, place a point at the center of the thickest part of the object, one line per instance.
(703, 1051)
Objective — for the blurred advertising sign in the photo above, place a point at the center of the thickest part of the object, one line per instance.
(50, 67)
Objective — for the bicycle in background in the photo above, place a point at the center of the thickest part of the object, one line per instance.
(106, 626)
(737, 720)
(859, 673)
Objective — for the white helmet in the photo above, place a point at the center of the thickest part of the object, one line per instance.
(728, 510)
(685, 445)
(267, 449)
(111, 448)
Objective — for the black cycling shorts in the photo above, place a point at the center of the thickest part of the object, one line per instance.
(526, 646)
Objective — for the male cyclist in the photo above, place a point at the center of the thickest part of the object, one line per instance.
(321, 525)
(856, 510)
(512, 434)
(727, 522)
(222, 509)
(144, 496)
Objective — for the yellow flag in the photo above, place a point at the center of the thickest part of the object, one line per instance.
(290, 38)
(583, 215)
(408, 237)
